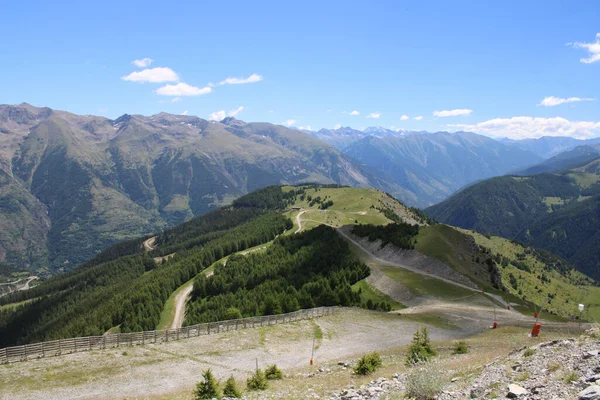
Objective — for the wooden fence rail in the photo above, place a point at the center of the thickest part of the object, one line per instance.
(110, 340)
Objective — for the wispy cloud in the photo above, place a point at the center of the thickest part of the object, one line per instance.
(305, 128)
(217, 115)
(404, 117)
(182, 89)
(185, 112)
(532, 127)
(593, 49)
(220, 115)
(452, 113)
(337, 126)
(354, 112)
(552, 101)
(235, 112)
(289, 122)
(142, 62)
(154, 75)
(420, 117)
(374, 115)
(239, 81)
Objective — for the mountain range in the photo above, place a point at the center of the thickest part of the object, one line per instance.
(72, 185)
(558, 210)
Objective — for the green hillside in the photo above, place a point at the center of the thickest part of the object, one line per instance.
(559, 212)
(130, 288)
(524, 275)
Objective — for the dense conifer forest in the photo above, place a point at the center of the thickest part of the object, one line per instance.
(400, 234)
(311, 269)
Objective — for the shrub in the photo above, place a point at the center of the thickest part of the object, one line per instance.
(460, 348)
(570, 377)
(420, 348)
(529, 352)
(232, 313)
(272, 372)
(208, 388)
(231, 389)
(368, 364)
(257, 381)
(425, 380)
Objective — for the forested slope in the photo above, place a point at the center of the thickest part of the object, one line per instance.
(559, 212)
(129, 290)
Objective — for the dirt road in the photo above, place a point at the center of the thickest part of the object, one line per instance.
(495, 298)
(180, 302)
(149, 243)
(299, 221)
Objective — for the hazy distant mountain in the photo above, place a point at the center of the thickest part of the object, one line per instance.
(579, 156)
(345, 136)
(433, 166)
(559, 212)
(72, 185)
(549, 146)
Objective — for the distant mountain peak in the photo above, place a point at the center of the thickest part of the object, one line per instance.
(231, 121)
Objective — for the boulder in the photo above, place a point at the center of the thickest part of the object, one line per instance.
(514, 391)
(590, 393)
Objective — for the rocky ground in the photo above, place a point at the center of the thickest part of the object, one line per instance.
(558, 369)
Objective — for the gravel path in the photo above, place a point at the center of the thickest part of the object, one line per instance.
(180, 301)
(299, 221)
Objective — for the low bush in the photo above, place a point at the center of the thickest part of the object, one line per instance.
(529, 352)
(425, 380)
(257, 381)
(460, 348)
(272, 372)
(368, 364)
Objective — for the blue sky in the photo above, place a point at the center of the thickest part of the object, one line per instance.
(314, 63)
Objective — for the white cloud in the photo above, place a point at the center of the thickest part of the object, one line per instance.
(374, 115)
(220, 115)
(142, 62)
(354, 112)
(552, 101)
(404, 117)
(235, 112)
(155, 75)
(337, 126)
(452, 113)
(420, 117)
(305, 128)
(289, 122)
(173, 100)
(102, 110)
(185, 112)
(238, 81)
(182, 89)
(593, 49)
(532, 127)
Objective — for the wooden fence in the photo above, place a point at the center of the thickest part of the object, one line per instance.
(73, 345)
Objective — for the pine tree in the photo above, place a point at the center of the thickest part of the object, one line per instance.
(231, 389)
(208, 388)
